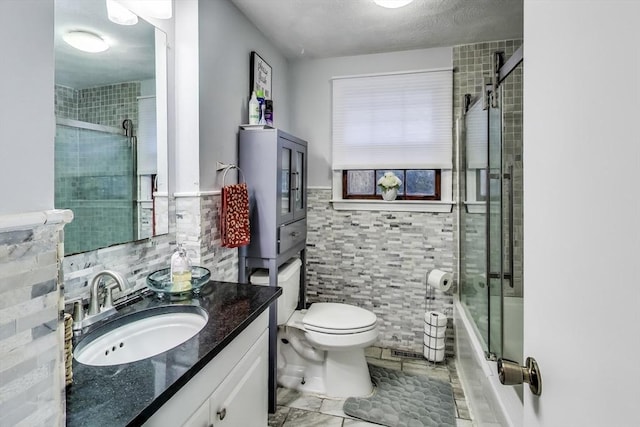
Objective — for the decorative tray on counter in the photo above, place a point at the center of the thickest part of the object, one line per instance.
(160, 282)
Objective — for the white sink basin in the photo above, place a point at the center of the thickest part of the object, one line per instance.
(140, 335)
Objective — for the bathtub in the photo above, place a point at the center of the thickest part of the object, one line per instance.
(490, 403)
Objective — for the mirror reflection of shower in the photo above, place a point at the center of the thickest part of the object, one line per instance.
(110, 147)
(95, 169)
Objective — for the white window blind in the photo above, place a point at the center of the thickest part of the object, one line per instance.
(393, 121)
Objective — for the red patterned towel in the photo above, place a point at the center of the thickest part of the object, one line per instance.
(234, 216)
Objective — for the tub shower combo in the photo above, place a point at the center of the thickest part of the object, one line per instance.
(489, 309)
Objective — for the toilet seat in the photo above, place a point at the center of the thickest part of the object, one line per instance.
(338, 319)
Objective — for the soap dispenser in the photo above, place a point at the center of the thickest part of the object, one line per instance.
(180, 271)
(254, 109)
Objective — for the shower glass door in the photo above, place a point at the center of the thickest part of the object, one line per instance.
(473, 264)
(95, 177)
(482, 265)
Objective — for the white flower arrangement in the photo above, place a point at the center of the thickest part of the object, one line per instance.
(388, 181)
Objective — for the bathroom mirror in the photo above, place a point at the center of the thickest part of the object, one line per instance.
(111, 128)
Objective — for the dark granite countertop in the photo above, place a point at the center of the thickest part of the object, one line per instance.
(128, 394)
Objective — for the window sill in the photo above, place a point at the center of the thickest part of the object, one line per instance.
(396, 205)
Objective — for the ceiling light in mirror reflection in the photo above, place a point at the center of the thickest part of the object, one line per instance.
(86, 41)
(160, 9)
(119, 14)
(392, 4)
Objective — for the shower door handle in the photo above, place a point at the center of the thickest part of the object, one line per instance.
(495, 275)
(511, 373)
(511, 225)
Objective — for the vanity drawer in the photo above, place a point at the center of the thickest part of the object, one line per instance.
(289, 235)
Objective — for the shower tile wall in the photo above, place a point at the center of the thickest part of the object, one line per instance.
(66, 102)
(104, 105)
(378, 260)
(109, 105)
(31, 333)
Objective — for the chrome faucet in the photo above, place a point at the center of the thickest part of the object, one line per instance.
(98, 311)
(94, 303)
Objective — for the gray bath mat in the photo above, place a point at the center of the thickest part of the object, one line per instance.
(404, 400)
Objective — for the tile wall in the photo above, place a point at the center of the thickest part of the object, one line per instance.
(104, 105)
(378, 260)
(109, 105)
(31, 332)
(197, 227)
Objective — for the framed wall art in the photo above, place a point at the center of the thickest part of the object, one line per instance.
(260, 76)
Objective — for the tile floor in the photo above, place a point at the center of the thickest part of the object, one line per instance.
(296, 409)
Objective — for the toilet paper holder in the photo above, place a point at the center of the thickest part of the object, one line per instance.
(511, 373)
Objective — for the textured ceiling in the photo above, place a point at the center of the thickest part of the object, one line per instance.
(326, 28)
(299, 28)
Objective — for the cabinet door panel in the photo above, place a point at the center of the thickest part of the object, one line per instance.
(200, 418)
(284, 186)
(241, 399)
(300, 183)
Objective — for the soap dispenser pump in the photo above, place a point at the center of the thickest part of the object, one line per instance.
(180, 270)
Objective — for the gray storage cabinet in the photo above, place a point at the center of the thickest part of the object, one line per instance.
(274, 165)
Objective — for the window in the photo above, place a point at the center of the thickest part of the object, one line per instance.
(481, 185)
(398, 122)
(417, 184)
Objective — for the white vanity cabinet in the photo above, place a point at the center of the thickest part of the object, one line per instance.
(241, 399)
(230, 391)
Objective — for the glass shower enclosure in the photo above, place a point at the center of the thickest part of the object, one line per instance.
(491, 275)
(95, 177)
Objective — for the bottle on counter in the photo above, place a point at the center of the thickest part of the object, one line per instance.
(180, 270)
(254, 109)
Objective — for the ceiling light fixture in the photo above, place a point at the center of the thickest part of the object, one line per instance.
(119, 14)
(86, 41)
(392, 4)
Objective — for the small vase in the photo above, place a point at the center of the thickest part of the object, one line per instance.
(390, 194)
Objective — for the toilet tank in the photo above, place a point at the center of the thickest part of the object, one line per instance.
(289, 281)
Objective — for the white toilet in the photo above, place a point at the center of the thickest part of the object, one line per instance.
(320, 350)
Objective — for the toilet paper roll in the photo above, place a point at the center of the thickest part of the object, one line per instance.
(433, 342)
(435, 318)
(433, 354)
(440, 280)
